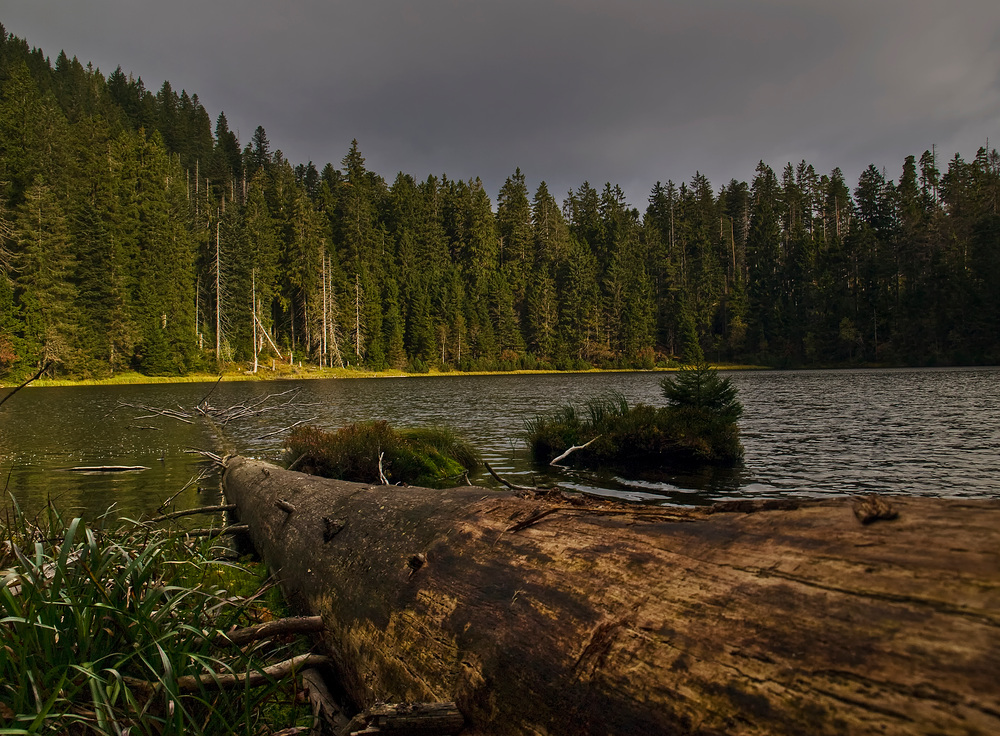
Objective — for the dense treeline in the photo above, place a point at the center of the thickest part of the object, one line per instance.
(136, 237)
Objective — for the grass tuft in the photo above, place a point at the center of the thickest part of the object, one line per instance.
(97, 623)
(433, 457)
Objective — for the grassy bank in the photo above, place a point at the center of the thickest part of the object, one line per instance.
(311, 372)
(118, 629)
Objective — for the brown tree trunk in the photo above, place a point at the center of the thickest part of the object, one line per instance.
(540, 616)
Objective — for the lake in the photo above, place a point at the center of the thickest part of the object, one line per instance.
(806, 433)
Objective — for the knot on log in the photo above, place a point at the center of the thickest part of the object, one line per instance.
(416, 562)
(872, 508)
(332, 527)
(285, 506)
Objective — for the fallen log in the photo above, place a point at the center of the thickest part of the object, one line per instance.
(761, 618)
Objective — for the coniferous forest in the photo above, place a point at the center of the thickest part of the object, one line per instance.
(137, 235)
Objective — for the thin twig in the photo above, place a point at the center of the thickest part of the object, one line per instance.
(194, 479)
(231, 529)
(507, 482)
(45, 367)
(279, 627)
(204, 401)
(299, 459)
(285, 429)
(206, 454)
(191, 512)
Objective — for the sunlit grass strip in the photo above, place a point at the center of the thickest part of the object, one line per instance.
(311, 372)
(101, 627)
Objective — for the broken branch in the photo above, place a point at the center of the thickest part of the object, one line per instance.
(279, 627)
(574, 448)
(45, 367)
(191, 512)
(507, 483)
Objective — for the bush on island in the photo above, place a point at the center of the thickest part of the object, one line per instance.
(432, 456)
(698, 426)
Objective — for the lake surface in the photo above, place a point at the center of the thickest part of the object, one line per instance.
(806, 433)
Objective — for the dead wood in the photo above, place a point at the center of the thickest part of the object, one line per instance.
(873, 508)
(215, 681)
(191, 512)
(505, 482)
(221, 531)
(327, 715)
(45, 366)
(574, 448)
(613, 618)
(105, 468)
(194, 479)
(407, 719)
(279, 627)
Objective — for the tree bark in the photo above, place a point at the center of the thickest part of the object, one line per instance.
(538, 616)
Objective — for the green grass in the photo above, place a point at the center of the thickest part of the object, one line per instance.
(97, 623)
(697, 427)
(433, 457)
(285, 372)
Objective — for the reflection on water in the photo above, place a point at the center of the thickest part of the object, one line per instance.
(806, 433)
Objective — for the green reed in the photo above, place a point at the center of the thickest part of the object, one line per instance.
(97, 623)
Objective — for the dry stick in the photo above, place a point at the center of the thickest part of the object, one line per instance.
(194, 479)
(179, 416)
(574, 448)
(279, 627)
(206, 454)
(381, 475)
(35, 377)
(327, 716)
(192, 683)
(299, 459)
(285, 429)
(241, 410)
(231, 529)
(203, 405)
(506, 482)
(190, 512)
(268, 337)
(531, 520)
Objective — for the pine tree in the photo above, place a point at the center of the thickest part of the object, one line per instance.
(43, 265)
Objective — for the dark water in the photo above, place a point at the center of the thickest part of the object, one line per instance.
(806, 433)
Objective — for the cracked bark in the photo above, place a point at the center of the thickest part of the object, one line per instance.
(780, 621)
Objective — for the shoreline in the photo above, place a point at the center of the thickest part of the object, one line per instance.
(313, 373)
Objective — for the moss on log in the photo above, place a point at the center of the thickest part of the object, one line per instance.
(538, 616)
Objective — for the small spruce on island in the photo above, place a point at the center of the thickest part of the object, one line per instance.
(698, 426)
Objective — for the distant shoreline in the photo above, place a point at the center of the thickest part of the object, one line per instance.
(294, 374)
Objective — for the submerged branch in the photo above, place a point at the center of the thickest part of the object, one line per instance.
(507, 483)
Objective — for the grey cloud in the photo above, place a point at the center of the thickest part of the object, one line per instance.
(632, 92)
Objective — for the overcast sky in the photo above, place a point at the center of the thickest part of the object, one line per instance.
(631, 92)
